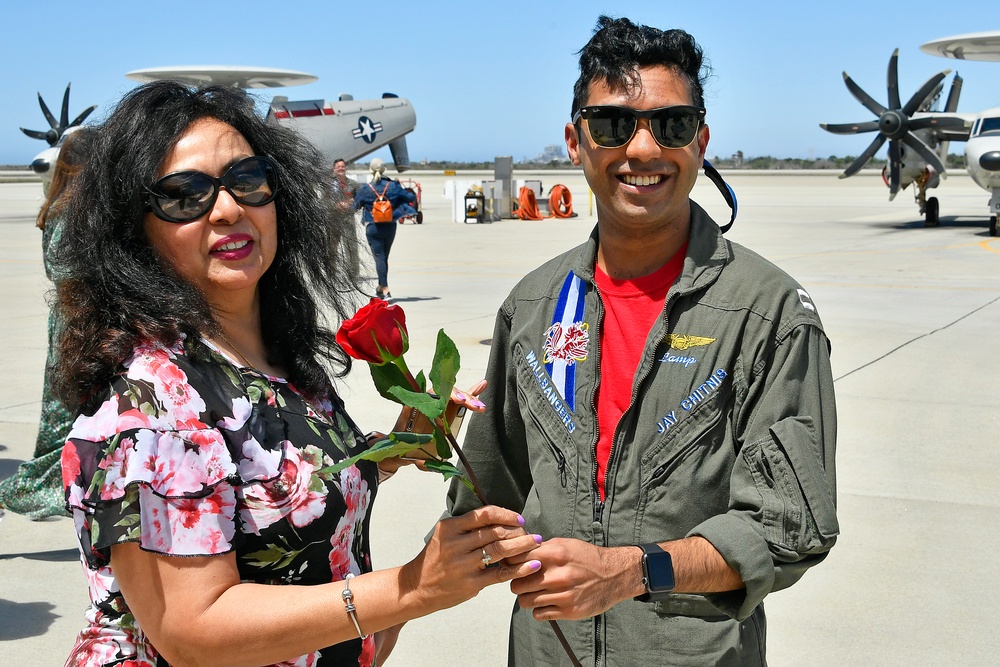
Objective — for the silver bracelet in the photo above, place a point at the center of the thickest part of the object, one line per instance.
(349, 603)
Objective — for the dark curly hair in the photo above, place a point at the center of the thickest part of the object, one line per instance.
(619, 47)
(118, 294)
(73, 152)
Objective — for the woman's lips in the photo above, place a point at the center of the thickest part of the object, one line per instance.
(233, 247)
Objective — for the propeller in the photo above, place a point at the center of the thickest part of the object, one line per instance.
(896, 124)
(57, 127)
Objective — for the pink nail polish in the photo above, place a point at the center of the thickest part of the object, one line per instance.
(459, 395)
(476, 403)
(520, 520)
(534, 564)
(538, 538)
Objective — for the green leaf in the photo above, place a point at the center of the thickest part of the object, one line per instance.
(386, 377)
(443, 446)
(421, 380)
(431, 407)
(444, 369)
(395, 444)
(448, 470)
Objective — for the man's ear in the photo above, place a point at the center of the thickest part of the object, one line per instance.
(573, 144)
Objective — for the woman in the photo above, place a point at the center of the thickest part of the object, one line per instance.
(36, 490)
(201, 257)
(381, 234)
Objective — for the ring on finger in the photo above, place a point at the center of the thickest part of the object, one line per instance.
(486, 559)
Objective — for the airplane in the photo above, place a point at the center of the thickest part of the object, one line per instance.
(918, 135)
(346, 128)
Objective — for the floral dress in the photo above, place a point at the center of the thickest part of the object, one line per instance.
(192, 455)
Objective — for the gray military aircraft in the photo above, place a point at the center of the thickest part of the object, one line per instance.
(345, 128)
(918, 135)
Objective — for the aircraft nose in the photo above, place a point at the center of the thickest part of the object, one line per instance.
(990, 161)
(39, 166)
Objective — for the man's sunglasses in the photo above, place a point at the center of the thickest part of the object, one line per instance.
(186, 195)
(613, 127)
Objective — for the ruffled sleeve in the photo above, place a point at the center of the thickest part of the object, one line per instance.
(159, 461)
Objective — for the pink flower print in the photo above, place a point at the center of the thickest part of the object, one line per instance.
(258, 463)
(180, 463)
(70, 460)
(241, 413)
(188, 526)
(115, 467)
(342, 553)
(292, 495)
(355, 491)
(367, 656)
(170, 383)
(302, 661)
(100, 584)
(99, 426)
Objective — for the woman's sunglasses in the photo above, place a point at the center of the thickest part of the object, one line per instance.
(186, 195)
(613, 127)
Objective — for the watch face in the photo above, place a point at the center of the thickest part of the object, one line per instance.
(660, 572)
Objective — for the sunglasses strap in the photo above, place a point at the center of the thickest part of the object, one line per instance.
(727, 192)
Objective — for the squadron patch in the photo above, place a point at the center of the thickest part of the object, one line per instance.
(567, 339)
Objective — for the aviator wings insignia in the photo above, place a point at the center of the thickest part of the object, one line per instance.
(687, 341)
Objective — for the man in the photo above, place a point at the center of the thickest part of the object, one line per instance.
(660, 403)
(343, 187)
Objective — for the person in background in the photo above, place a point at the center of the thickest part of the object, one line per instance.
(201, 260)
(381, 234)
(344, 187)
(660, 403)
(35, 489)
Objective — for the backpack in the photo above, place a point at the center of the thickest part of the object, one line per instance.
(381, 207)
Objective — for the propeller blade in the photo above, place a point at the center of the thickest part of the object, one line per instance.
(64, 116)
(924, 151)
(862, 159)
(48, 114)
(83, 116)
(892, 80)
(850, 128)
(895, 161)
(956, 90)
(35, 134)
(925, 90)
(935, 122)
(863, 97)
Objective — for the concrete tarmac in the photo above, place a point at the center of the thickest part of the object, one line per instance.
(912, 313)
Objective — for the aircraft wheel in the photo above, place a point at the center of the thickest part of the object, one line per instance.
(420, 217)
(931, 213)
(993, 225)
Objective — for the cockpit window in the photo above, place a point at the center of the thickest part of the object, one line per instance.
(989, 125)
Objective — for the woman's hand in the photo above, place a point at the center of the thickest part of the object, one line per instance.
(452, 567)
(412, 421)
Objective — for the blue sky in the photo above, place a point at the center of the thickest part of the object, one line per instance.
(490, 79)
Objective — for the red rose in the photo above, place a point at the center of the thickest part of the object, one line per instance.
(376, 334)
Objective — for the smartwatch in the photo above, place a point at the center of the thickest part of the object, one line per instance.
(657, 573)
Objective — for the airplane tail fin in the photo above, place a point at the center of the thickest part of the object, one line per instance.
(400, 155)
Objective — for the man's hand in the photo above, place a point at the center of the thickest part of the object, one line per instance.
(578, 579)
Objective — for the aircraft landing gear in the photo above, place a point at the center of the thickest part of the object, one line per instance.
(993, 225)
(931, 213)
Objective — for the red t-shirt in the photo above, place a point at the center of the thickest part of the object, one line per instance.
(630, 310)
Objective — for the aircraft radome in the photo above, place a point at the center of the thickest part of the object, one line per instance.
(918, 135)
(346, 128)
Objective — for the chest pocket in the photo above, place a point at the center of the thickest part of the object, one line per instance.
(685, 477)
